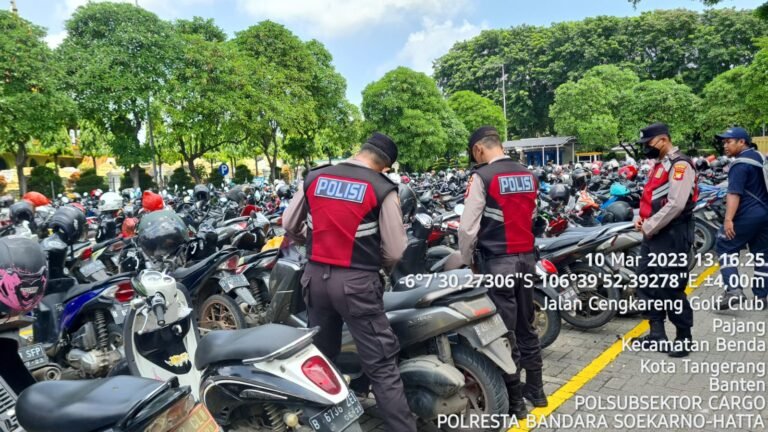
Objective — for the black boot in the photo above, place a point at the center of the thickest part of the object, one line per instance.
(534, 388)
(516, 403)
(682, 344)
(652, 339)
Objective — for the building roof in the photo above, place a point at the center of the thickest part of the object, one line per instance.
(538, 143)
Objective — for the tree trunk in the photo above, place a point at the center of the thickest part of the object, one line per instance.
(56, 163)
(330, 159)
(94, 162)
(192, 170)
(21, 160)
(135, 175)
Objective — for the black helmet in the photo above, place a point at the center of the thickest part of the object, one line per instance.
(716, 164)
(724, 161)
(69, 223)
(161, 234)
(201, 193)
(284, 192)
(21, 211)
(619, 211)
(23, 275)
(6, 201)
(237, 195)
(580, 178)
(408, 201)
(559, 192)
(539, 226)
(702, 164)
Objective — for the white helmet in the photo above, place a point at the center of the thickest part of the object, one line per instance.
(110, 201)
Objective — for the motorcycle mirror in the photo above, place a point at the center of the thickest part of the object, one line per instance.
(459, 209)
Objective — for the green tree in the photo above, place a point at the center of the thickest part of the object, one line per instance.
(663, 100)
(725, 103)
(89, 181)
(215, 178)
(474, 111)
(41, 180)
(242, 174)
(343, 135)
(30, 104)
(181, 179)
(116, 57)
(407, 106)
(93, 141)
(589, 108)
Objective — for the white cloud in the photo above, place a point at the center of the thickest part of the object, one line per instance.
(434, 40)
(333, 18)
(55, 39)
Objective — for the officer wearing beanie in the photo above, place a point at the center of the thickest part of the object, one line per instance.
(496, 237)
(666, 221)
(745, 215)
(349, 217)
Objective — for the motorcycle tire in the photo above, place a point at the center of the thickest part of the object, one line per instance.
(486, 375)
(546, 322)
(588, 319)
(703, 238)
(227, 308)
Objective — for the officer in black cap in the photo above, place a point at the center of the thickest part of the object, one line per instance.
(666, 221)
(745, 215)
(350, 219)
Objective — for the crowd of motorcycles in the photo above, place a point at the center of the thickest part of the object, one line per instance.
(185, 307)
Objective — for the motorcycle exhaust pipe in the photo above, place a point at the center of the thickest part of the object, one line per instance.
(47, 373)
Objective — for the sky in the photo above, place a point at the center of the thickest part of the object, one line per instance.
(367, 38)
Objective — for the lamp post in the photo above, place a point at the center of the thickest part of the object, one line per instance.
(13, 7)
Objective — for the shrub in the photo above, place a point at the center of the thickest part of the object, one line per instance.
(41, 179)
(87, 181)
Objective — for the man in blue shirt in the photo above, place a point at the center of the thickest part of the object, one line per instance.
(745, 220)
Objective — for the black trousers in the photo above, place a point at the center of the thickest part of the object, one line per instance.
(515, 306)
(335, 296)
(673, 239)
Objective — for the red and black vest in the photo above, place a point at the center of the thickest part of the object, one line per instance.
(656, 190)
(510, 205)
(343, 221)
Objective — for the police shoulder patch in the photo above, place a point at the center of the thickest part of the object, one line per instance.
(346, 190)
(516, 183)
(679, 168)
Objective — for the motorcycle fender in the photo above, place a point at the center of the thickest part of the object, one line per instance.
(498, 351)
(245, 296)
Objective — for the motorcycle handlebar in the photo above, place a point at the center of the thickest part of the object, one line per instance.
(158, 307)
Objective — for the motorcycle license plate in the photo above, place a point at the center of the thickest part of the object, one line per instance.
(33, 356)
(568, 296)
(710, 215)
(119, 312)
(490, 329)
(89, 269)
(198, 420)
(337, 418)
(231, 282)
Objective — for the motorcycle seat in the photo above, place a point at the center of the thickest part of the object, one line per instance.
(432, 281)
(84, 288)
(253, 343)
(85, 405)
(570, 237)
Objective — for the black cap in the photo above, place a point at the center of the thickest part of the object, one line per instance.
(650, 132)
(480, 133)
(384, 144)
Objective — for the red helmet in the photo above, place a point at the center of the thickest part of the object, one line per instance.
(711, 158)
(36, 198)
(629, 172)
(151, 201)
(129, 227)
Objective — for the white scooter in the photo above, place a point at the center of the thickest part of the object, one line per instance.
(265, 378)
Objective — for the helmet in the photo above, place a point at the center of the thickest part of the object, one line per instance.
(21, 211)
(619, 211)
(161, 234)
(69, 223)
(724, 160)
(202, 193)
(36, 198)
(128, 229)
(151, 201)
(716, 164)
(702, 164)
(78, 206)
(404, 179)
(612, 164)
(578, 165)
(619, 190)
(110, 201)
(6, 201)
(645, 169)
(23, 275)
(284, 192)
(408, 201)
(579, 178)
(96, 193)
(540, 174)
(629, 172)
(237, 195)
(559, 192)
(711, 158)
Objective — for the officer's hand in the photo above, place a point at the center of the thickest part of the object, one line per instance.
(638, 225)
(730, 233)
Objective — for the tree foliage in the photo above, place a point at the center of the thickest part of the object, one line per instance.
(242, 175)
(41, 180)
(181, 179)
(407, 106)
(474, 111)
(88, 181)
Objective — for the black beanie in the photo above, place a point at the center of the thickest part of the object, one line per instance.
(480, 133)
(384, 144)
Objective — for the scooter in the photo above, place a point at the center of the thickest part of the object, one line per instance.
(270, 376)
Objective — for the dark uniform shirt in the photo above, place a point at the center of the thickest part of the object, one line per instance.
(742, 178)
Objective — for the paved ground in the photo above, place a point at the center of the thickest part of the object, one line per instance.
(582, 367)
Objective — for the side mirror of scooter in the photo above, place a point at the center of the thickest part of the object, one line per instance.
(459, 209)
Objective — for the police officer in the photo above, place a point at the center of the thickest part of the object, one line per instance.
(745, 216)
(666, 221)
(496, 237)
(353, 228)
